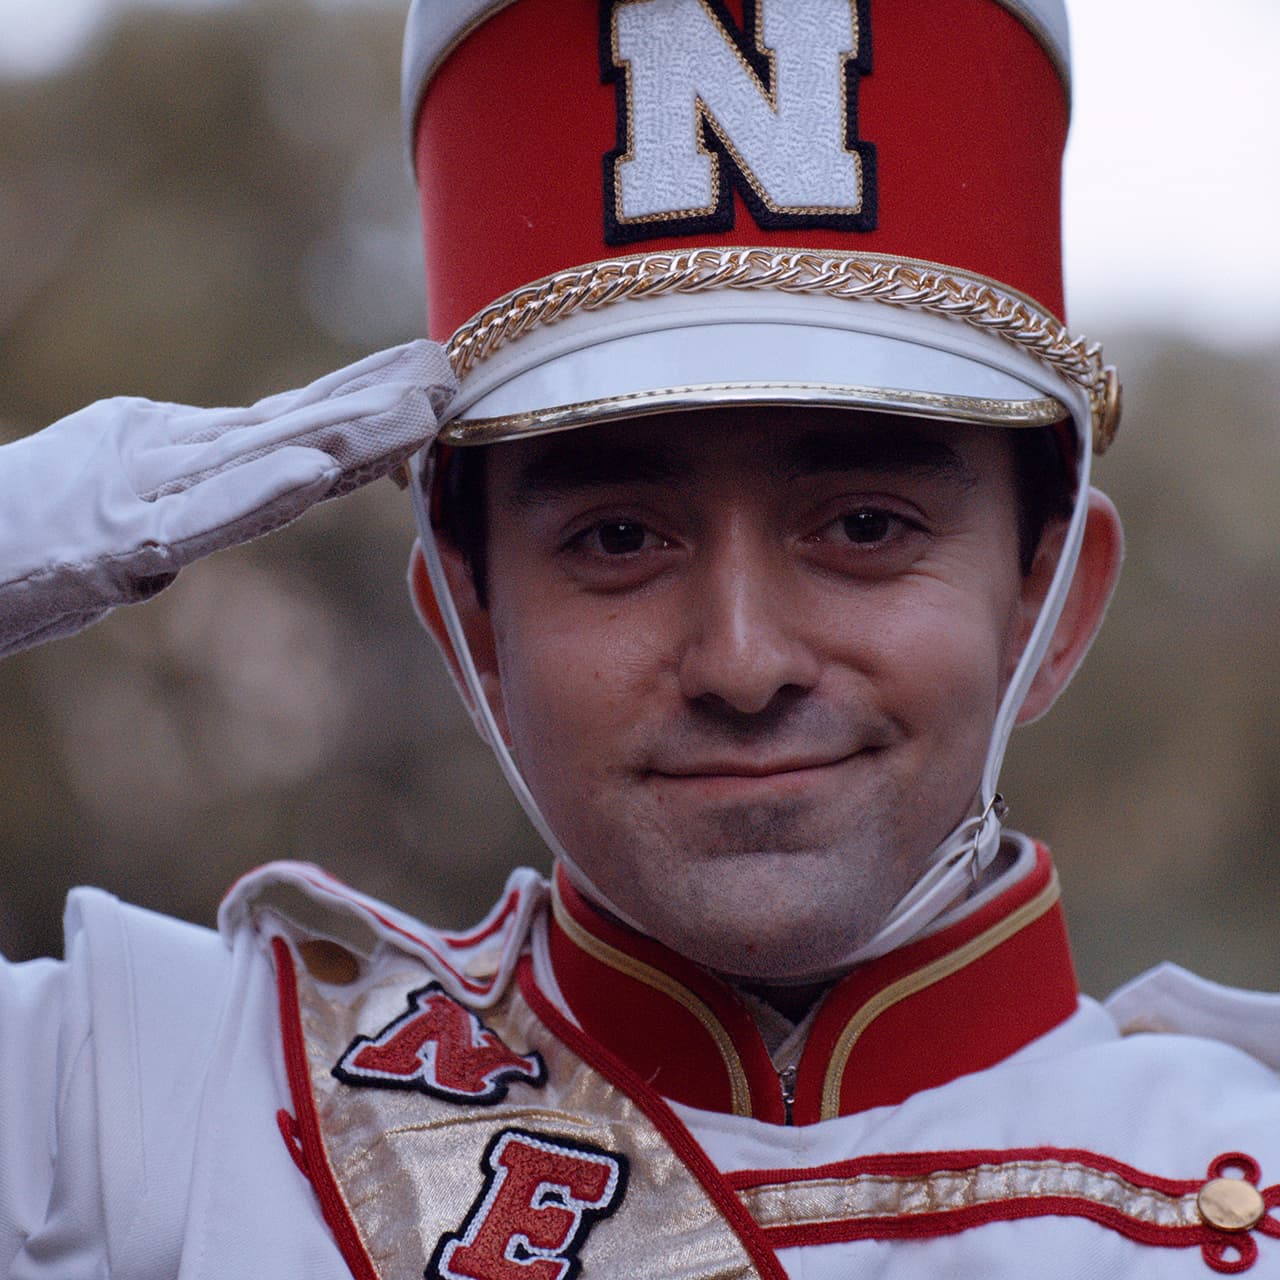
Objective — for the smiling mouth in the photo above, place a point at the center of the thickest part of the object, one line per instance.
(754, 770)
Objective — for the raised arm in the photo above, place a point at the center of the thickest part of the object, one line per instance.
(105, 506)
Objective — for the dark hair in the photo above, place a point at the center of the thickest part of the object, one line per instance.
(463, 515)
(1040, 474)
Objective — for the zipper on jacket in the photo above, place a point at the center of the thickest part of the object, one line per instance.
(787, 1079)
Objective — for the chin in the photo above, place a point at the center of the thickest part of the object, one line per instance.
(774, 917)
(792, 956)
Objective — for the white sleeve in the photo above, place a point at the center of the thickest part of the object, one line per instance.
(103, 1058)
(46, 1087)
(1169, 998)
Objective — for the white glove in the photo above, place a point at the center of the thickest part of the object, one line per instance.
(105, 506)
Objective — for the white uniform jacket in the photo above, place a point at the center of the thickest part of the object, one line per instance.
(330, 1089)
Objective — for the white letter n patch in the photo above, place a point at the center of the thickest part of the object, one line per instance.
(704, 107)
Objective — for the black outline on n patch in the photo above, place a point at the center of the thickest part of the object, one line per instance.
(727, 172)
(422, 1057)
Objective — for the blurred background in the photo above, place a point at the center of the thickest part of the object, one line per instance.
(206, 202)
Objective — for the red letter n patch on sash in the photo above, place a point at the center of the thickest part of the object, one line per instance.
(540, 1200)
(442, 1049)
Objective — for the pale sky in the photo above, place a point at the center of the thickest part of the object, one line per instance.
(1173, 181)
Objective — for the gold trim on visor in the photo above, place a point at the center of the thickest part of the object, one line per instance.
(904, 283)
(1043, 412)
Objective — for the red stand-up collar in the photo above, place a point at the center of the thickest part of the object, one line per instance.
(952, 1003)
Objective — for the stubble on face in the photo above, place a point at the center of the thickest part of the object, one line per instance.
(768, 840)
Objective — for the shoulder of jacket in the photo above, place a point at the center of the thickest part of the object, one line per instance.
(332, 926)
(124, 953)
(1171, 999)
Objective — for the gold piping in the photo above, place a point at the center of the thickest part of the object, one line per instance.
(941, 968)
(655, 978)
(904, 283)
(810, 1202)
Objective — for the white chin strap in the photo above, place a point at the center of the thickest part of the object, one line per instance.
(953, 867)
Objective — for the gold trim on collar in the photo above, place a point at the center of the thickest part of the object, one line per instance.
(912, 983)
(651, 977)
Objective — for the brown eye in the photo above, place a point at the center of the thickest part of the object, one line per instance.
(621, 537)
(866, 526)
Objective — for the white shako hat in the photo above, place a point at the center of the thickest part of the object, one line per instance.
(633, 206)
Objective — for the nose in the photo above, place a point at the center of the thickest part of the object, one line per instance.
(745, 636)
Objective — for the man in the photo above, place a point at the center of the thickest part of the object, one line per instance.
(760, 515)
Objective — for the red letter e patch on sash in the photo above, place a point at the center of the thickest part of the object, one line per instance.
(541, 1197)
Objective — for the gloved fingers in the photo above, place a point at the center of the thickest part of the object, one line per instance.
(234, 505)
(172, 468)
(420, 363)
(382, 408)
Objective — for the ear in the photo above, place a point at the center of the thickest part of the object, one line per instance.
(476, 626)
(1097, 570)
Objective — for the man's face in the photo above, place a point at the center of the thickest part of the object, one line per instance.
(748, 660)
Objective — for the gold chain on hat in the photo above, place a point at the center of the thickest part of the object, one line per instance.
(897, 282)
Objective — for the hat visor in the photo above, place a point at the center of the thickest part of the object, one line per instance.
(647, 356)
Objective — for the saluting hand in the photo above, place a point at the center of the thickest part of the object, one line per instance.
(106, 505)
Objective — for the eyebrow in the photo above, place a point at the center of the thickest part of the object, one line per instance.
(567, 464)
(887, 451)
(565, 467)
